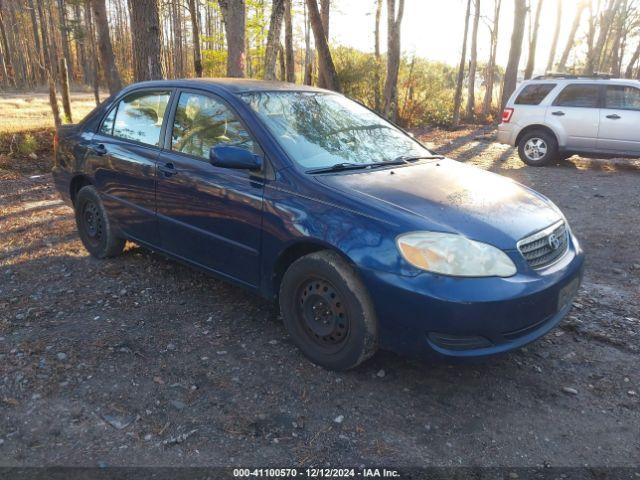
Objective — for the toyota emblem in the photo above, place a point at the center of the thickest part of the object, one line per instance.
(554, 241)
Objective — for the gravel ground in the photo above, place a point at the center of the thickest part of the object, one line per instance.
(142, 361)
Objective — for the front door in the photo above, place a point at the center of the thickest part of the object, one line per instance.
(620, 120)
(123, 155)
(209, 215)
(576, 113)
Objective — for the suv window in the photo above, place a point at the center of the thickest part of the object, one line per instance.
(139, 117)
(533, 94)
(202, 122)
(622, 97)
(577, 95)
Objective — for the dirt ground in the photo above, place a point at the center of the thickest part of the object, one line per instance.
(142, 361)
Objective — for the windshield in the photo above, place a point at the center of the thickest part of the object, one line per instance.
(319, 130)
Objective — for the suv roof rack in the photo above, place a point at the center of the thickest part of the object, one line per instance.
(570, 76)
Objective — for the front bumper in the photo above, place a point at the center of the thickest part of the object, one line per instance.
(433, 315)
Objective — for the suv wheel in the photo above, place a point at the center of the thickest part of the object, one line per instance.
(327, 311)
(538, 148)
(93, 225)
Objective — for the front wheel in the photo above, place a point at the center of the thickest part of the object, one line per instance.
(327, 311)
(538, 148)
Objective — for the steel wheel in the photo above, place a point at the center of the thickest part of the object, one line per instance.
(322, 314)
(535, 149)
(92, 222)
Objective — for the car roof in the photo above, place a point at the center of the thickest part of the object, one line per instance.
(589, 80)
(231, 85)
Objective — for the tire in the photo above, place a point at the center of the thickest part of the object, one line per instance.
(327, 311)
(93, 225)
(538, 148)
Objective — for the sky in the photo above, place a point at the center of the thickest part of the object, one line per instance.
(434, 29)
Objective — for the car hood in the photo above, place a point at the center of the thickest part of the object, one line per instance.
(453, 197)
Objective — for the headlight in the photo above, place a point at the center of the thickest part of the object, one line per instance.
(452, 254)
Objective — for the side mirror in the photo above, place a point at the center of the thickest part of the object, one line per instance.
(227, 156)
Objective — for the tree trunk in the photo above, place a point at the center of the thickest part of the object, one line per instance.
(233, 12)
(632, 63)
(556, 35)
(378, 67)
(491, 66)
(308, 53)
(562, 63)
(533, 43)
(64, 35)
(394, 22)
(325, 61)
(288, 43)
(36, 38)
(325, 8)
(594, 57)
(515, 51)
(95, 67)
(53, 101)
(457, 98)
(473, 63)
(281, 63)
(9, 65)
(273, 39)
(145, 31)
(114, 83)
(195, 26)
(64, 84)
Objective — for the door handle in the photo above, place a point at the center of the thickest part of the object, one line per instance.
(99, 149)
(558, 113)
(168, 169)
(614, 116)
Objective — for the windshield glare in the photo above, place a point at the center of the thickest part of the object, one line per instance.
(319, 130)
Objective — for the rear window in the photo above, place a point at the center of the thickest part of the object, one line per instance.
(622, 97)
(585, 96)
(534, 94)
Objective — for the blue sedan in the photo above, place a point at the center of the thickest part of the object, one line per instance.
(364, 237)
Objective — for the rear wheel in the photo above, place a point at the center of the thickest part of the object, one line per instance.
(538, 148)
(327, 311)
(93, 225)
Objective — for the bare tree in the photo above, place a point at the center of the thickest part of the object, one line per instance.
(325, 8)
(234, 14)
(457, 98)
(533, 41)
(64, 86)
(473, 63)
(571, 39)
(290, 65)
(376, 50)
(595, 55)
(145, 30)
(107, 59)
(195, 28)
(515, 51)
(325, 61)
(491, 65)
(9, 65)
(95, 66)
(394, 22)
(632, 63)
(64, 35)
(556, 35)
(273, 39)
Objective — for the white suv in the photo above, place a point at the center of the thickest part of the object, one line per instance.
(553, 117)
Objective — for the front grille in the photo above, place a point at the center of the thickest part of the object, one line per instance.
(545, 247)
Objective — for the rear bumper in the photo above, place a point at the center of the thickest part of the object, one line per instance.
(506, 134)
(430, 315)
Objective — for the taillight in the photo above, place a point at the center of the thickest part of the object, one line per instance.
(507, 113)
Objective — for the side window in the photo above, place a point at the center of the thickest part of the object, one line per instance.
(107, 124)
(202, 122)
(622, 97)
(534, 94)
(578, 95)
(139, 117)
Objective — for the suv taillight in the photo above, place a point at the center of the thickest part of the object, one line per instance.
(507, 113)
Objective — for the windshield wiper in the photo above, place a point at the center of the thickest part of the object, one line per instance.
(338, 167)
(409, 158)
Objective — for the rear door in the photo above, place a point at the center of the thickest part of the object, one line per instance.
(209, 215)
(123, 155)
(575, 115)
(620, 120)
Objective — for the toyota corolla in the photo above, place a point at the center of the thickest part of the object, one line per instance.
(364, 237)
